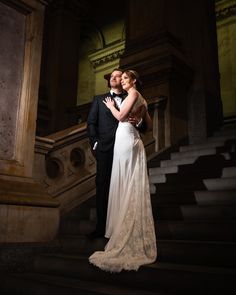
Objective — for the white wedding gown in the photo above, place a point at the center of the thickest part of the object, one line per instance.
(129, 226)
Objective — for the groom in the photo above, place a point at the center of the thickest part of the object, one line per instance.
(101, 128)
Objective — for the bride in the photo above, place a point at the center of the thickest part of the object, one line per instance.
(129, 226)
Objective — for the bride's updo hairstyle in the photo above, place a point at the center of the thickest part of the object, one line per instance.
(134, 75)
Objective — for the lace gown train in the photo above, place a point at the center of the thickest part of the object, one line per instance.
(130, 226)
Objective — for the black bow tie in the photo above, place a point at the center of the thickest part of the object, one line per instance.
(121, 95)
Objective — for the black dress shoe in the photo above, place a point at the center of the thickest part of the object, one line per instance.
(95, 235)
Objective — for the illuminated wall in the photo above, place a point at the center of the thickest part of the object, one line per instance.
(100, 53)
(226, 32)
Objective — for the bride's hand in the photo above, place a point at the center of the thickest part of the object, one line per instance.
(109, 102)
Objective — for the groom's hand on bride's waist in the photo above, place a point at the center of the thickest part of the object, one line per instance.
(135, 121)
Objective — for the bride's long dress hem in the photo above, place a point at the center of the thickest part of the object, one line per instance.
(118, 266)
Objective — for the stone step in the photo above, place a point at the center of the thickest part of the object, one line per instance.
(177, 162)
(226, 132)
(185, 176)
(192, 169)
(194, 212)
(206, 173)
(173, 278)
(197, 197)
(195, 147)
(222, 137)
(166, 212)
(78, 226)
(227, 156)
(204, 161)
(200, 229)
(83, 210)
(216, 197)
(184, 212)
(188, 185)
(197, 252)
(44, 284)
(162, 170)
(81, 244)
(174, 198)
(229, 172)
(176, 251)
(152, 188)
(157, 178)
(77, 216)
(161, 211)
(93, 214)
(196, 230)
(185, 172)
(193, 153)
(220, 184)
(191, 160)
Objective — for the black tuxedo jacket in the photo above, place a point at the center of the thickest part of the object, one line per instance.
(101, 124)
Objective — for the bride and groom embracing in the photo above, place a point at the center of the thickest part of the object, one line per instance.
(124, 211)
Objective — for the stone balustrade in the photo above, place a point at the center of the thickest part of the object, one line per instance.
(65, 166)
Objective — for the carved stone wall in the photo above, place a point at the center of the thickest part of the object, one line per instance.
(12, 28)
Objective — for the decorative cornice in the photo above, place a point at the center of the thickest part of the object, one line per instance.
(107, 58)
(226, 12)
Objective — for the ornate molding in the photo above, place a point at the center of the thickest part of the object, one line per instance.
(226, 12)
(107, 58)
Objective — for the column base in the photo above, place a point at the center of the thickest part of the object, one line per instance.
(27, 212)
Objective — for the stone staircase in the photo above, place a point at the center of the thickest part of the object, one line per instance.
(194, 207)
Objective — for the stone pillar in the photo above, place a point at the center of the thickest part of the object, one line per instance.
(25, 207)
(59, 74)
(158, 56)
(167, 44)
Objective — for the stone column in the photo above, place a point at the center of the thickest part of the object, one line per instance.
(168, 43)
(25, 207)
(59, 74)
